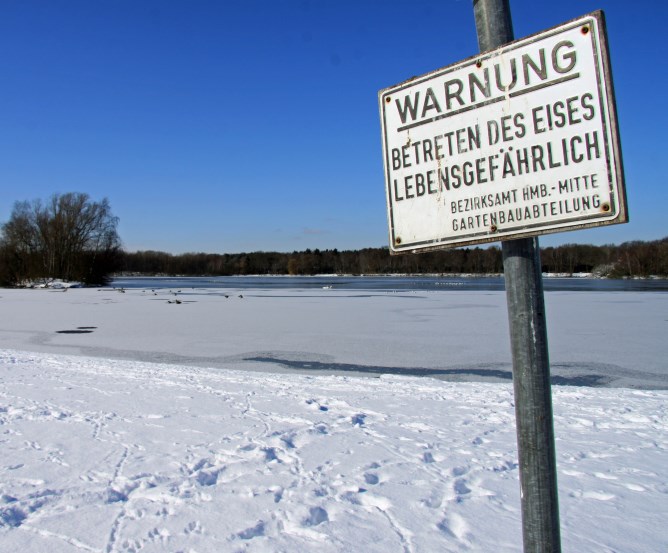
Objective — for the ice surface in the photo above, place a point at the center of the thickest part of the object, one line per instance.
(596, 339)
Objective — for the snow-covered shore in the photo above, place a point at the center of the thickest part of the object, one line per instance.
(202, 450)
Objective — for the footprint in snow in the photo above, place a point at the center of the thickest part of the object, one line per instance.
(288, 439)
(319, 429)
(270, 454)
(195, 527)
(253, 532)
(277, 491)
(114, 496)
(358, 420)
(132, 546)
(459, 471)
(427, 457)
(455, 526)
(371, 478)
(461, 488)
(159, 534)
(317, 404)
(208, 477)
(317, 515)
(12, 516)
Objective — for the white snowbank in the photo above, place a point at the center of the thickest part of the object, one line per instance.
(115, 454)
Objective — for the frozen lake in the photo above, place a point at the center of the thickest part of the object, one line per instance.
(602, 338)
(399, 283)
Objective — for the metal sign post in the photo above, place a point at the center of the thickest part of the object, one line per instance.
(517, 141)
(533, 398)
(528, 337)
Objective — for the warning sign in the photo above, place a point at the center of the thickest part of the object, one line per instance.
(516, 142)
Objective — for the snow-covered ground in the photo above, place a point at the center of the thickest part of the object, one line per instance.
(130, 422)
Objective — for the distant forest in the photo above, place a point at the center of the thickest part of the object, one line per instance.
(630, 259)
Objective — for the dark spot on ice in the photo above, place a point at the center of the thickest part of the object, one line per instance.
(324, 408)
(73, 331)
(427, 457)
(574, 374)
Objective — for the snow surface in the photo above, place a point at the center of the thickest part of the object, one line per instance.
(130, 422)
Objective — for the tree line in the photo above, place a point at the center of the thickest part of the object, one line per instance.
(73, 238)
(68, 237)
(630, 259)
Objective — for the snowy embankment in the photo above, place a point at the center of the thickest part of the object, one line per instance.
(114, 454)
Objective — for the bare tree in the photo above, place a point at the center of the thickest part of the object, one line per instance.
(69, 237)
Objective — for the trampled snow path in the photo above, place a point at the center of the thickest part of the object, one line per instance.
(109, 456)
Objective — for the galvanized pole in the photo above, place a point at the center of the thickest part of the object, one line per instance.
(528, 337)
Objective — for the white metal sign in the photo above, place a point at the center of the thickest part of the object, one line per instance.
(516, 142)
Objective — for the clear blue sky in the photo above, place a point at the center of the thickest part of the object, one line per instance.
(223, 126)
